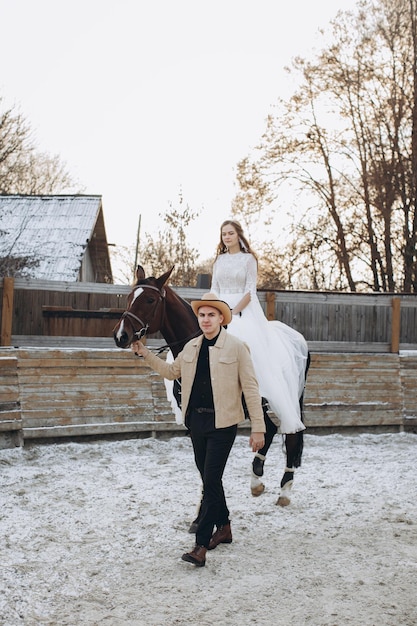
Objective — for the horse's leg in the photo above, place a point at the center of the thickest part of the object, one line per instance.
(256, 485)
(294, 449)
(294, 444)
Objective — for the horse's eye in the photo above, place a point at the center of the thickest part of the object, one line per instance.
(150, 300)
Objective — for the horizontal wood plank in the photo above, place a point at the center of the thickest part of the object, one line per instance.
(353, 390)
(87, 391)
(409, 385)
(10, 409)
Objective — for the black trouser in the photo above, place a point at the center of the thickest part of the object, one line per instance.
(211, 450)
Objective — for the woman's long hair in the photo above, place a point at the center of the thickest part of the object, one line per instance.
(243, 242)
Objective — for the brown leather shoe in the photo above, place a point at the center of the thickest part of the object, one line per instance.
(197, 556)
(222, 535)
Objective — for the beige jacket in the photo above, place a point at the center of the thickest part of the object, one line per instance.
(231, 372)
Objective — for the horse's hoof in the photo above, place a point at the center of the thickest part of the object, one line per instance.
(284, 497)
(256, 486)
(258, 490)
(283, 501)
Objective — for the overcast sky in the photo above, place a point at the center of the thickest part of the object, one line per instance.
(142, 99)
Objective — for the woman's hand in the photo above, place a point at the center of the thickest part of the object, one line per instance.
(139, 349)
(242, 304)
(257, 441)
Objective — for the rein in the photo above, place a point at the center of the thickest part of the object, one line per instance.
(176, 343)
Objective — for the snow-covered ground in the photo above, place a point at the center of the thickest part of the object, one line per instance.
(92, 534)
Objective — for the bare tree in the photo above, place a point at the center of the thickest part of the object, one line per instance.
(347, 140)
(123, 264)
(24, 170)
(14, 142)
(254, 196)
(170, 247)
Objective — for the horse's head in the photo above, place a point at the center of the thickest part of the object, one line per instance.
(145, 309)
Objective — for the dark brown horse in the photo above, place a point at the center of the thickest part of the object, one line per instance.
(152, 306)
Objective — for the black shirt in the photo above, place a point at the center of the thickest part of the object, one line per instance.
(202, 392)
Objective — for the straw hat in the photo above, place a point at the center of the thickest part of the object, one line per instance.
(210, 299)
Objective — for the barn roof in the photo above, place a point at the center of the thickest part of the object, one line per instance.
(55, 233)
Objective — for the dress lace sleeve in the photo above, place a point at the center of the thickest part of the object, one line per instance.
(251, 276)
(214, 281)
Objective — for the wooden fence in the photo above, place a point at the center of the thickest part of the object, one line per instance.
(50, 393)
(83, 312)
(55, 381)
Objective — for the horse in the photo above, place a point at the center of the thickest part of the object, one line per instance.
(153, 306)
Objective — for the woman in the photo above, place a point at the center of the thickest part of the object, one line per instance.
(279, 353)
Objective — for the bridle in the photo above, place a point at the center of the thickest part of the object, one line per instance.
(131, 317)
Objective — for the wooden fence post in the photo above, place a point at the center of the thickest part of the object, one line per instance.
(7, 311)
(395, 324)
(270, 305)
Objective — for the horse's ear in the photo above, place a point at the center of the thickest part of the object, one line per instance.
(140, 273)
(164, 278)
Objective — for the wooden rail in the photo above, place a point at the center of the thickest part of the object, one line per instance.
(10, 412)
(33, 308)
(354, 390)
(50, 393)
(67, 311)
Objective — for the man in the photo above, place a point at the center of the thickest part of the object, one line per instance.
(215, 369)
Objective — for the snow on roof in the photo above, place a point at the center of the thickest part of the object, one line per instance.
(53, 231)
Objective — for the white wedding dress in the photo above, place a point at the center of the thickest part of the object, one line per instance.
(279, 353)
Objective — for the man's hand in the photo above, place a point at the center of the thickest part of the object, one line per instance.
(139, 349)
(257, 441)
